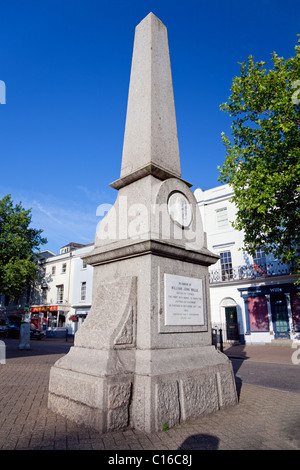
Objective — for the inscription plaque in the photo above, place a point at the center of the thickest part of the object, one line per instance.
(183, 300)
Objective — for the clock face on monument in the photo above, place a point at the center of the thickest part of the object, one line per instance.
(180, 209)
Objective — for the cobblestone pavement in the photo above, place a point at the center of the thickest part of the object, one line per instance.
(263, 419)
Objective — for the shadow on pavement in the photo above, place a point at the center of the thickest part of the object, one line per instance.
(200, 442)
(37, 347)
(236, 351)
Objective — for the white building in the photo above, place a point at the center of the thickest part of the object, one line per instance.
(81, 287)
(252, 300)
(66, 290)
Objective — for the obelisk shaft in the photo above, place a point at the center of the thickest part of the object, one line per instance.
(151, 132)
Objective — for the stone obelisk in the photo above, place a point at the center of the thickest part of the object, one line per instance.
(143, 357)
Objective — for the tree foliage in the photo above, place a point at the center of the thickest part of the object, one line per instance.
(18, 245)
(262, 163)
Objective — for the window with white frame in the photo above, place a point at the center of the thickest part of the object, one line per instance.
(260, 256)
(64, 268)
(226, 265)
(53, 270)
(83, 291)
(60, 293)
(259, 262)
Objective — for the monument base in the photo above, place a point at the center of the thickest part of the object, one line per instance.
(181, 386)
(130, 365)
(169, 387)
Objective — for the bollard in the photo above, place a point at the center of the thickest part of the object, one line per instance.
(24, 341)
(214, 334)
(221, 339)
(2, 352)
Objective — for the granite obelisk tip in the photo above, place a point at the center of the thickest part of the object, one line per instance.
(150, 139)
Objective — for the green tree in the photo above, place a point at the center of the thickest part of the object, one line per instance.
(18, 247)
(262, 163)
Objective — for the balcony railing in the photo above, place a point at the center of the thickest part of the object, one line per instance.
(251, 271)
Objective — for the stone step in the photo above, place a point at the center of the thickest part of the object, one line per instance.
(280, 342)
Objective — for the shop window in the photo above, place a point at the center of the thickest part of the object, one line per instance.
(52, 321)
(295, 303)
(61, 319)
(258, 313)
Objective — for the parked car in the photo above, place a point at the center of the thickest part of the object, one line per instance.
(13, 323)
(13, 330)
(13, 327)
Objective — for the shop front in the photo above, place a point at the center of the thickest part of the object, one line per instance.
(272, 312)
(51, 318)
(77, 318)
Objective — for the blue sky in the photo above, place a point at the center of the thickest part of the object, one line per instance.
(66, 66)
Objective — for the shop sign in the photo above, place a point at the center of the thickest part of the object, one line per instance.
(271, 289)
(50, 308)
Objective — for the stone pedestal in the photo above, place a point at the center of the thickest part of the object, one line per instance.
(130, 365)
(143, 357)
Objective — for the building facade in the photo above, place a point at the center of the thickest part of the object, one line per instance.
(253, 300)
(32, 294)
(64, 294)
